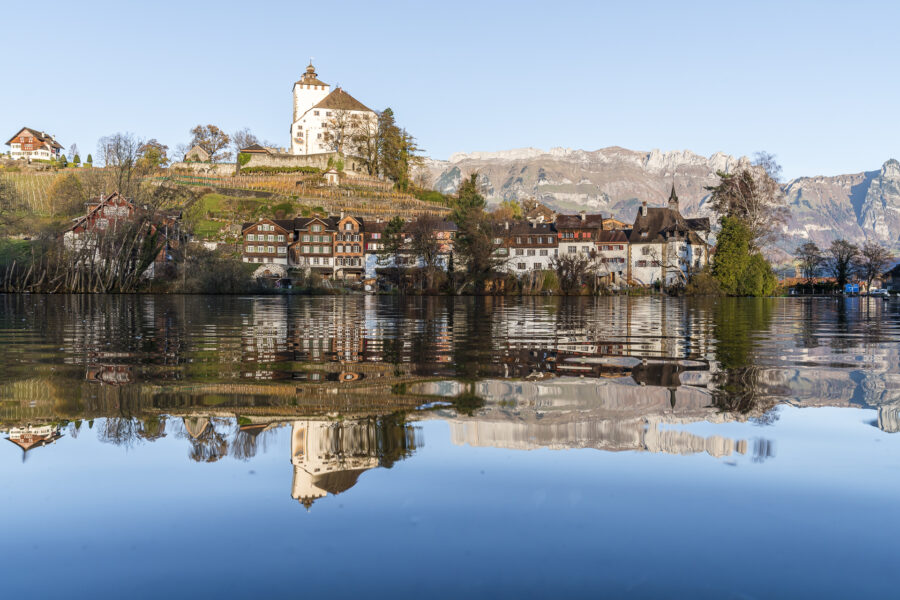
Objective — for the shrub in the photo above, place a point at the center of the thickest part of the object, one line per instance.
(243, 158)
(432, 196)
(210, 272)
(703, 284)
(276, 170)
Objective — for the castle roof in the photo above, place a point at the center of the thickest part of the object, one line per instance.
(310, 77)
(341, 100)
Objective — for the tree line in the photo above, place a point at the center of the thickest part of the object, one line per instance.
(843, 260)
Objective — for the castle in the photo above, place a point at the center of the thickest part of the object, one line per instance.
(324, 119)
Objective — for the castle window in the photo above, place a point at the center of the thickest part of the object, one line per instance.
(316, 113)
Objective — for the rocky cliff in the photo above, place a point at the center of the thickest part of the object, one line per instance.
(616, 180)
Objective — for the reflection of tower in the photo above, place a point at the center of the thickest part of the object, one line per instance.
(329, 457)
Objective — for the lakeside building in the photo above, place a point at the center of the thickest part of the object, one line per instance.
(662, 247)
(578, 234)
(665, 247)
(525, 246)
(31, 144)
(323, 117)
(106, 214)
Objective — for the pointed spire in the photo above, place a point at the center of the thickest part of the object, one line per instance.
(673, 198)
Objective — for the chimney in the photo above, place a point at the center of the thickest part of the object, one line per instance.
(644, 208)
(342, 213)
(506, 225)
(583, 216)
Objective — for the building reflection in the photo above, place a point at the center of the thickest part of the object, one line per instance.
(611, 415)
(329, 456)
(30, 437)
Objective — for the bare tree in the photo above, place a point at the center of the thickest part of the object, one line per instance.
(120, 153)
(213, 140)
(425, 245)
(366, 143)
(242, 138)
(841, 260)
(341, 128)
(573, 271)
(752, 195)
(810, 258)
(873, 260)
(769, 164)
(670, 263)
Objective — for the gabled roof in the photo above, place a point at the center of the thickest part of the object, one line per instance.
(44, 138)
(341, 100)
(659, 222)
(616, 236)
(304, 222)
(698, 223)
(524, 228)
(96, 207)
(576, 222)
(286, 224)
(255, 149)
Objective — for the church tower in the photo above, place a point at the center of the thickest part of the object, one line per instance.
(673, 199)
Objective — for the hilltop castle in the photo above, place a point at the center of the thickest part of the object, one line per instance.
(323, 116)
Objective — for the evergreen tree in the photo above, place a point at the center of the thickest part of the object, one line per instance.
(76, 160)
(475, 236)
(90, 160)
(740, 270)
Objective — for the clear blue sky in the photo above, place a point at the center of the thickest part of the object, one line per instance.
(814, 82)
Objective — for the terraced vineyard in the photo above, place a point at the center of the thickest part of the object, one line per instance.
(366, 198)
(33, 187)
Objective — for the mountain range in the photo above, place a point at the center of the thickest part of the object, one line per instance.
(614, 181)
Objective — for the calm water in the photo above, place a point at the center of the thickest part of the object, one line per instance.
(246, 446)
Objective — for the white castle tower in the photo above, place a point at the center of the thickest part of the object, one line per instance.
(315, 104)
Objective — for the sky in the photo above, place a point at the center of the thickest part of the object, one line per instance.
(813, 82)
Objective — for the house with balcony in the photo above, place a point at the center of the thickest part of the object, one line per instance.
(31, 144)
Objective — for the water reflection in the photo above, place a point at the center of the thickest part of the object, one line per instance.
(615, 374)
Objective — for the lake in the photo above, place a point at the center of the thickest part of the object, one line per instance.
(196, 446)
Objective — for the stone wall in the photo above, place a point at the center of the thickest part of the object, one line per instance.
(222, 169)
(305, 160)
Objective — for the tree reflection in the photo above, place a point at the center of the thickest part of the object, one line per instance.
(739, 327)
(207, 444)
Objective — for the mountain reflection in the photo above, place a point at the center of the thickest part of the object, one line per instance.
(346, 375)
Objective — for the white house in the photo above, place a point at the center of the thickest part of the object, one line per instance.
(612, 256)
(31, 144)
(665, 247)
(527, 246)
(318, 110)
